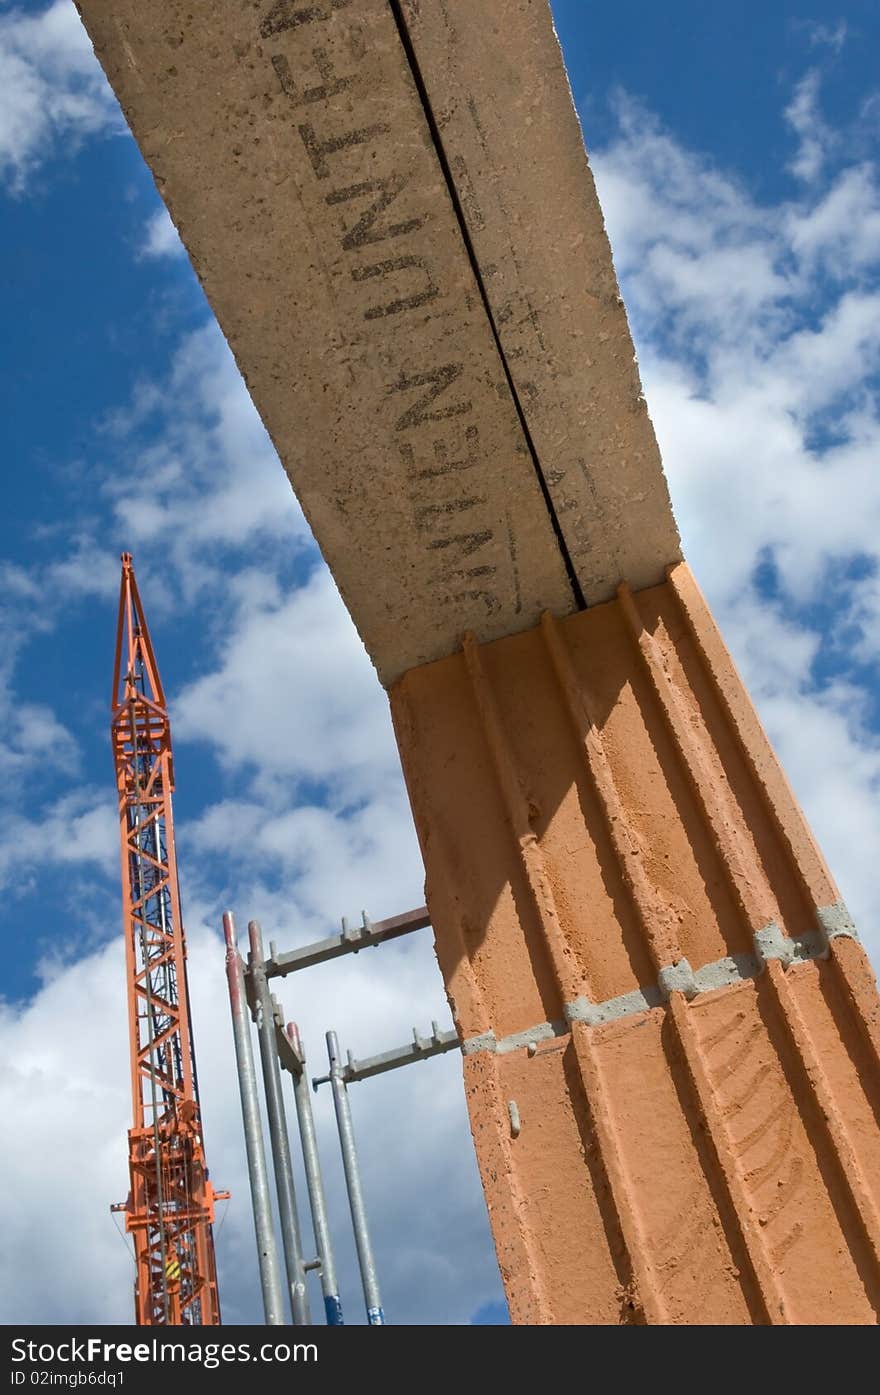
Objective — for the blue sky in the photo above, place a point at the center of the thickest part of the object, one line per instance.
(735, 152)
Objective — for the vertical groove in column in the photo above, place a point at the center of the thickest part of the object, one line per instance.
(837, 1136)
(860, 991)
(724, 818)
(620, 1188)
(803, 854)
(570, 978)
(740, 1274)
(494, 1171)
(763, 1275)
(651, 909)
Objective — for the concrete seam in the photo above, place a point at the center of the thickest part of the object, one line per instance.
(836, 920)
(485, 1041)
(677, 978)
(733, 968)
(680, 977)
(544, 1031)
(594, 1014)
(770, 943)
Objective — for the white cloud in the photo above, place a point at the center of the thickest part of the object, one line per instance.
(52, 90)
(33, 739)
(742, 378)
(294, 695)
(866, 616)
(48, 819)
(841, 230)
(292, 709)
(78, 829)
(35, 735)
(65, 1087)
(188, 466)
(814, 135)
(160, 237)
(84, 570)
(303, 866)
(824, 36)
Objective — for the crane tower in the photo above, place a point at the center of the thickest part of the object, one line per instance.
(170, 1207)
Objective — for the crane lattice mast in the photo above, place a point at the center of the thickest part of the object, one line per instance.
(170, 1208)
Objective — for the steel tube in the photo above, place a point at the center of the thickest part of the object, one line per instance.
(419, 1049)
(312, 1163)
(278, 1135)
(267, 1250)
(369, 1279)
(352, 940)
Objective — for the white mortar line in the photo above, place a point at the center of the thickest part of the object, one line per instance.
(769, 942)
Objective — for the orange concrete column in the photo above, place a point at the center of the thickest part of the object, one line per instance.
(672, 1035)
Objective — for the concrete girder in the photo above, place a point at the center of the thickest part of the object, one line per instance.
(418, 291)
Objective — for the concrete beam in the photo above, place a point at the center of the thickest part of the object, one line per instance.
(460, 470)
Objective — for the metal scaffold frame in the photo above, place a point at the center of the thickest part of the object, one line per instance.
(281, 1048)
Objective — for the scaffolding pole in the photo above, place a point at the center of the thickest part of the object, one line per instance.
(267, 1250)
(278, 1135)
(369, 1278)
(293, 1058)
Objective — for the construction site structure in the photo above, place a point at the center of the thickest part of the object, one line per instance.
(170, 1208)
(282, 1051)
(671, 1032)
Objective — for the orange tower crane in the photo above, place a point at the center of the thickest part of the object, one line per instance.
(170, 1208)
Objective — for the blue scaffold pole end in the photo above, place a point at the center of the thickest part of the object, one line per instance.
(333, 1309)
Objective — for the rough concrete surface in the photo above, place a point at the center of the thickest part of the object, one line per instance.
(646, 953)
(507, 125)
(452, 484)
(291, 148)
